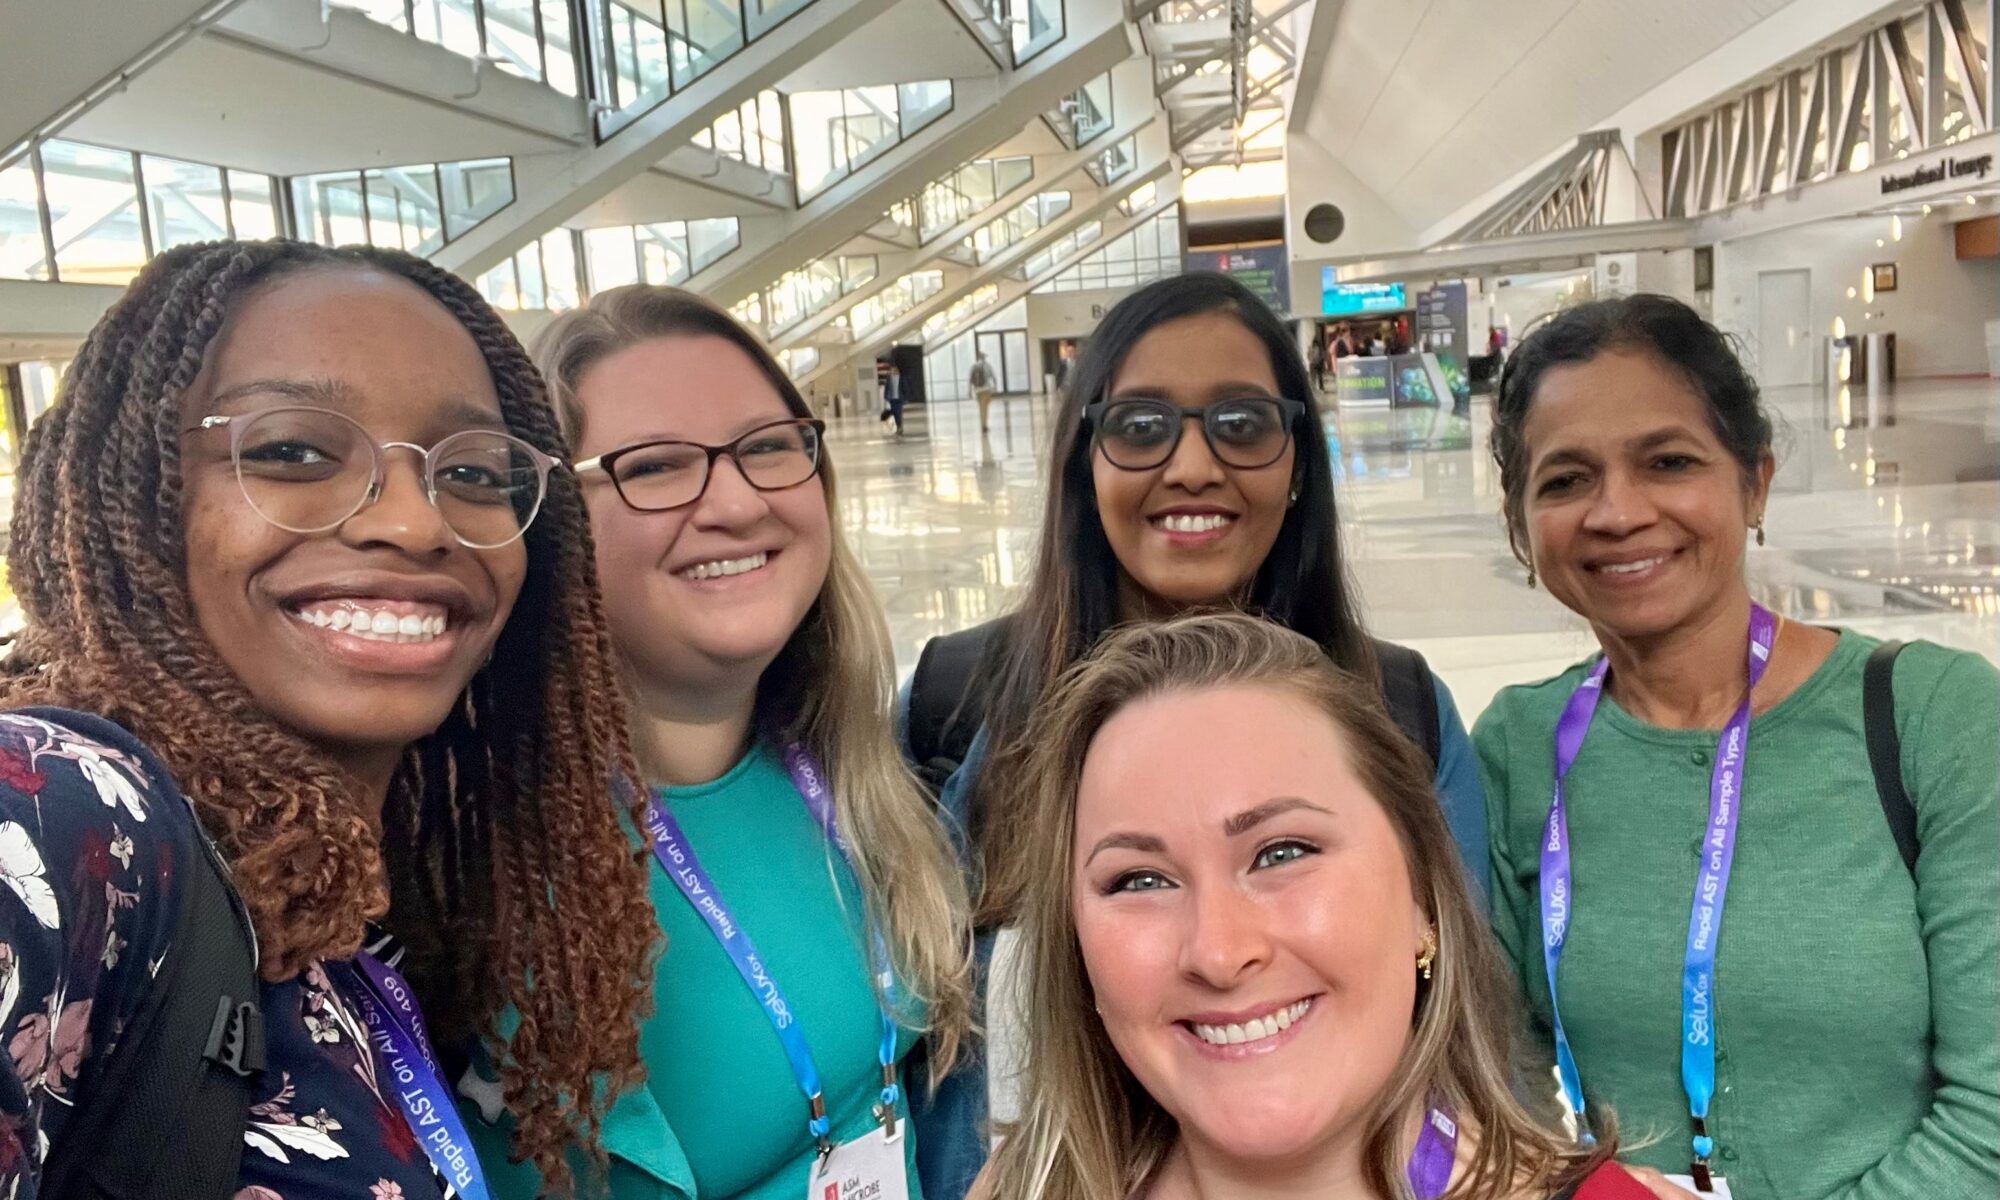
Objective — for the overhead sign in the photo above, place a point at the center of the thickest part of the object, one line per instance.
(1265, 270)
(1976, 167)
(1348, 299)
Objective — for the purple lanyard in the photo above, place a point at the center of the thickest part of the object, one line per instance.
(1435, 1154)
(410, 1073)
(1718, 852)
(677, 858)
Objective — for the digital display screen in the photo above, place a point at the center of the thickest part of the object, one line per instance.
(1350, 299)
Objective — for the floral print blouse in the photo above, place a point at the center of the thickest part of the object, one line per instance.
(93, 838)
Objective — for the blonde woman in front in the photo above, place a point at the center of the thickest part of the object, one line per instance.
(1252, 968)
(815, 923)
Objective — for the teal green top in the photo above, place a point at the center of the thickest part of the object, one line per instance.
(720, 1115)
(1855, 1009)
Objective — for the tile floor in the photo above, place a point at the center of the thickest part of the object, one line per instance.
(1885, 517)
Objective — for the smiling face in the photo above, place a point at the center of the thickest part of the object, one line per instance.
(679, 621)
(1192, 531)
(362, 637)
(1635, 512)
(1246, 918)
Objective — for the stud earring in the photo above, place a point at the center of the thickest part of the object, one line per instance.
(1430, 953)
(1760, 530)
(1295, 497)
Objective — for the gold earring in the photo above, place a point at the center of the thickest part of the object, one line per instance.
(1760, 530)
(1430, 953)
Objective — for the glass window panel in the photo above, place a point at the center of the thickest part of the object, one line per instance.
(329, 208)
(818, 157)
(559, 269)
(1035, 30)
(663, 252)
(500, 286)
(23, 255)
(94, 210)
(510, 37)
(703, 33)
(184, 202)
(253, 205)
(385, 12)
(448, 23)
(473, 191)
(709, 238)
(921, 103)
(403, 209)
(41, 383)
(559, 46)
(870, 125)
(528, 269)
(613, 263)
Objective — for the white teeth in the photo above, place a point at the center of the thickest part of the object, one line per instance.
(1631, 568)
(1252, 1031)
(355, 619)
(1193, 523)
(727, 566)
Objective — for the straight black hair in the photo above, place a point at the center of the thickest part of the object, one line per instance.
(1072, 596)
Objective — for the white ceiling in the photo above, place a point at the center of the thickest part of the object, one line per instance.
(67, 47)
(915, 40)
(219, 100)
(1433, 102)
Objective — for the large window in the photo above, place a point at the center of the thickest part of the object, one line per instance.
(88, 214)
(646, 50)
(1148, 252)
(835, 133)
(542, 274)
(668, 252)
(752, 132)
(416, 208)
(969, 190)
(530, 38)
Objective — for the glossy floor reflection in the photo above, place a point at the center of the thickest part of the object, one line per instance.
(1885, 517)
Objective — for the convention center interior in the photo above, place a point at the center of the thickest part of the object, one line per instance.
(1467, 343)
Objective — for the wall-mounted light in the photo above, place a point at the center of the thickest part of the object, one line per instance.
(1895, 228)
(1850, 293)
(1927, 210)
(1867, 285)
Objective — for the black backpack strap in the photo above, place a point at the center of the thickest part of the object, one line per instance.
(173, 1095)
(1411, 694)
(947, 703)
(1885, 749)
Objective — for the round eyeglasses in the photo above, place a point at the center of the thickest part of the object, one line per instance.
(658, 476)
(1143, 433)
(308, 470)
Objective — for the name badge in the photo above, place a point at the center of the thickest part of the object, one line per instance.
(870, 1167)
(1719, 1185)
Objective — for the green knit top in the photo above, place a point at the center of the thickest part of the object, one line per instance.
(1857, 1010)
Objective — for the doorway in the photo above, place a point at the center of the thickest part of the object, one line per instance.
(1784, 328)
(1007, 353)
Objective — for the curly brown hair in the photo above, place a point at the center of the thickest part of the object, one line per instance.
(508, 873)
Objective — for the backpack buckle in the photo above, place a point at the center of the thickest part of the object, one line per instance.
(236, 1038)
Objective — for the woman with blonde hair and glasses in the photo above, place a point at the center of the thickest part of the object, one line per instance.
(1252, 967)
(815, 921)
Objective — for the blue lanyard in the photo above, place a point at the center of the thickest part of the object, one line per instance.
(1718, 854)
(410, 1074)
(677, 857)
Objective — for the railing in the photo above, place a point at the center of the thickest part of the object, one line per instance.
(70, 211)
(534, 39)
(1114, 163)
(1083, 115)
(753, 132)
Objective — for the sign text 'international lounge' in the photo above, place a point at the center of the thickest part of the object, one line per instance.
(1950, 168)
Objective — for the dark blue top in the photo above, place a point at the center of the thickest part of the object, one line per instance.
(94, 839)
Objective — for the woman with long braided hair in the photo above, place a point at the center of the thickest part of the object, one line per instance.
(296, 545)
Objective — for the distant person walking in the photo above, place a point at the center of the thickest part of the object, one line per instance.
(982, 386)
(892, 397)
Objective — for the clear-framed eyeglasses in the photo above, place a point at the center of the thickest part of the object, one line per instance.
(307, 470)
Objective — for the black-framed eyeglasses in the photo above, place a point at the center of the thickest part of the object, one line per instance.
(1245, 432)
(658, 476)
(307, 470)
